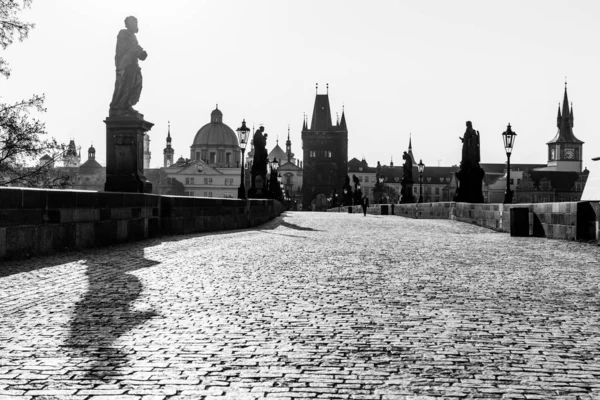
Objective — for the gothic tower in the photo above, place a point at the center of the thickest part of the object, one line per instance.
(288, 147)
(565, 151)
(168, 152)
(325, 150)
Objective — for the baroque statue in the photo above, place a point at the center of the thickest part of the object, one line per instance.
(406, 191)
(259, 165)
(128, 82)
(470, 174)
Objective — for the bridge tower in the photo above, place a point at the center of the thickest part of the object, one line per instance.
(325, 151)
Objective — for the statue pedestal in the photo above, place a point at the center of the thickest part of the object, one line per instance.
(406, 193)
(125, 155)
(470, 184)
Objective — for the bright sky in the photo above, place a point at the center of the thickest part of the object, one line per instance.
(398, 67)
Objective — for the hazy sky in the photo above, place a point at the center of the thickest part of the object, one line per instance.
(398, 67)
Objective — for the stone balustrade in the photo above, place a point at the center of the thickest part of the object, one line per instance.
(36, 222)
(567, 220)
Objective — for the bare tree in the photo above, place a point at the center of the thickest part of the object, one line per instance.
(21, 136)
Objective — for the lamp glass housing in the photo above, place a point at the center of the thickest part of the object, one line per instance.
(509, 139)
(421, 166)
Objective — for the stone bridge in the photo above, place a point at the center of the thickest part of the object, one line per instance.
(308, 305)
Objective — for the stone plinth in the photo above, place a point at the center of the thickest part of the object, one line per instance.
(470, 184)
(125, 155)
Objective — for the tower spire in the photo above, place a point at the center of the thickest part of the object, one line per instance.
(410, 153)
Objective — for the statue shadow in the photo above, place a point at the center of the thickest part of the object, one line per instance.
(281, 221)
(106, 312)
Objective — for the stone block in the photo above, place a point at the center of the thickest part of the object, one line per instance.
(122, 230)
(137, 229)
(105, 232)
(35, 199)
(2, 243)
(87, 199)
(86, 215)
(63, 237)
(61, 199)
(85, 235)
(44, 239)
(11, 198)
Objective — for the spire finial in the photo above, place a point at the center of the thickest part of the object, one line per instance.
(327, 85)
(565, 83)
(288, 131)
(317, 88)
(217, 106)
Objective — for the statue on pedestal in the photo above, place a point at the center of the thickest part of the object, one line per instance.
(125, 127)
(470, 175)
(128, 82)
(406, 193)
(259, 165)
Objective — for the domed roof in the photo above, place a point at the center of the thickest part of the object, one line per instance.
(215, 133)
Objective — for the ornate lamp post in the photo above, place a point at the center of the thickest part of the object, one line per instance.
(242, 132)
(421, 168)
(509, 141)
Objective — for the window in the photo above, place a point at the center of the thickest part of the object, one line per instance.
(191, 181)
(366, 179)
(328, 154)
(512, 181)
(312, 154)
(207, 194)
(187, 181)
(204, 156)
(189, 193)
(437, 191)
(221, 156)
(208, 181)
(228, 195)
(228, 181)
(213, 157)
(360, 178)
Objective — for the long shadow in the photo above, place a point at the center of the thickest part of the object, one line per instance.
(105, 312)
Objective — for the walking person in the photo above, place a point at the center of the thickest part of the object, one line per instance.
(365, 204)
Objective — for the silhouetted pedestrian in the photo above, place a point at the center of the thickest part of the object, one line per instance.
(365, 204)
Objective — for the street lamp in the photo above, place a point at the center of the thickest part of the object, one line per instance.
(381, 189)
(509, 141)
(243, 137)
(421, 168)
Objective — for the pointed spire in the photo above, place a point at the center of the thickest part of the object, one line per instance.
(342, 123)
(565, 122)
(410, 153)
(317, 88)
(169, 134)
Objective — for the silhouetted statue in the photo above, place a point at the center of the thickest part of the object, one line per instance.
(128, 82)
(258, 188)
(407, 168)
(259, 165)
(470, 175)
(470, 145)
(406, 194)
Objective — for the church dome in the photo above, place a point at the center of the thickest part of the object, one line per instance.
(215, 133)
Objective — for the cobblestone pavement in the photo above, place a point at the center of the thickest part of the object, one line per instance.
(310, 305)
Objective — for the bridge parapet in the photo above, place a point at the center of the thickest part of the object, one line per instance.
(566, 220)
(36, 222)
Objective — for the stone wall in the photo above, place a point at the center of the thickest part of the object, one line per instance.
(35, 222)
(568, 220)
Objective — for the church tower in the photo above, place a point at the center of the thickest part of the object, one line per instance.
(288, 147)
(410, 153)
(565, 151)
(325, 151)
(168, 152)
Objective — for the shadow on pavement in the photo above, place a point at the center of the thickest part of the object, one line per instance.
(105, 312)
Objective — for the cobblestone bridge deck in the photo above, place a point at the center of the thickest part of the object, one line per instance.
(310, 305)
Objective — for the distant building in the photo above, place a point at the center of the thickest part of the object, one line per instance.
(91, 175)
(325, 148)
